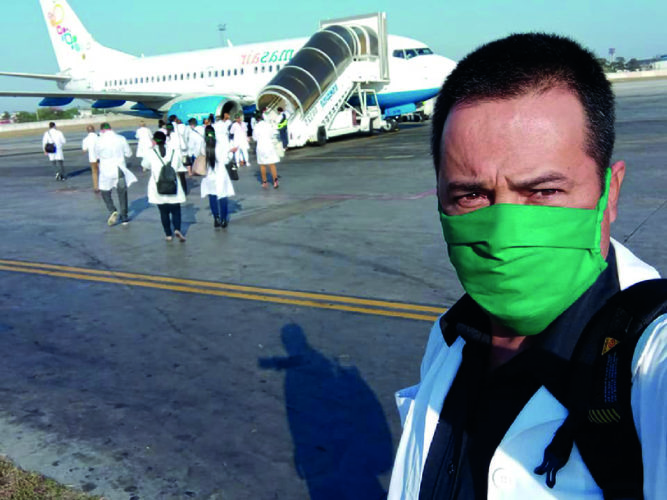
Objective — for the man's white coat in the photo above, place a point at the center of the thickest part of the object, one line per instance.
(522, 448)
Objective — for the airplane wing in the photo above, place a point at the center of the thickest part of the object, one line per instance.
(152, 99)
(37, 76)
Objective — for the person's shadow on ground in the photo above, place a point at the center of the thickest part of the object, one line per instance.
(137, 206)
(342, 441)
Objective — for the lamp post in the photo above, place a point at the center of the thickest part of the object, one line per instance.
(221, 29)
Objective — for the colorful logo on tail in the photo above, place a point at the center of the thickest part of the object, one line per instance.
(56, 19)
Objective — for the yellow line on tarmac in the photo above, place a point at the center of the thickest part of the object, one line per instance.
(213, 292)
(227, 286)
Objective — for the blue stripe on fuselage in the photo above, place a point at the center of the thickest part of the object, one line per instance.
(392, 99)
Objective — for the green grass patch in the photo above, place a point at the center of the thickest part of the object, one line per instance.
(17, 484)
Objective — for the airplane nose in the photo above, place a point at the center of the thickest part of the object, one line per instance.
(437, 68)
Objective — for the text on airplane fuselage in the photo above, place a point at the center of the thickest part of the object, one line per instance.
(267, 57)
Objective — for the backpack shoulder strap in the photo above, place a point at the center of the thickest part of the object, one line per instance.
(598, 395)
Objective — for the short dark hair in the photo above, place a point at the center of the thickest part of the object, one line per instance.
(105, 126)
(532, 62)
(52, 125)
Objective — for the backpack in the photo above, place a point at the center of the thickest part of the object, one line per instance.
(598, 394)
(166, 181)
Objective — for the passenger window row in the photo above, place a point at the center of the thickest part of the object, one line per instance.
(188, 76)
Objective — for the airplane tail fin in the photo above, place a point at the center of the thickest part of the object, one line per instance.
(75, 48)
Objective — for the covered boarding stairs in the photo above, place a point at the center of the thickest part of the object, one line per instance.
(345, 58)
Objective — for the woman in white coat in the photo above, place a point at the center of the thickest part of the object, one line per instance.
(157, 158)
(263, 134)
(217, 185)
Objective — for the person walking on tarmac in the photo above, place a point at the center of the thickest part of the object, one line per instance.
(88, 145)
(144, 143)
(239, 133)
(53, 141)
(266, 150)
(112, 149)
(217, 185)
(169, 205)
(195, 142)
(175, 143)
(282, 127)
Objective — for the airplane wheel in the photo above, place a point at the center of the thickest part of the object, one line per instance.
(321, 136)
(388, 124)
(394, 126)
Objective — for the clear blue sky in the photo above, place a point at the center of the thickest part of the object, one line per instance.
(451, 27)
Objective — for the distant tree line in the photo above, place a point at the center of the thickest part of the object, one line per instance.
(44, 114)
(619, 64)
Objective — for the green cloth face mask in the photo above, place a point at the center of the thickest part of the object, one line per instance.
(526, 264)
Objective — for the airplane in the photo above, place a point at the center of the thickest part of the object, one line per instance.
(209, 81)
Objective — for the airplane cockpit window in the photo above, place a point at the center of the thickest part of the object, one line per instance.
(399, 53)
(410, 53)
(424, 51)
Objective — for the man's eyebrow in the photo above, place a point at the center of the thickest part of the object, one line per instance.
(543, 179)
(464, 186)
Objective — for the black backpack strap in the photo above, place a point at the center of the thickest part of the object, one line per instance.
(598, 396)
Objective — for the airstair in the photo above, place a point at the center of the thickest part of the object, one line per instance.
(342, 63)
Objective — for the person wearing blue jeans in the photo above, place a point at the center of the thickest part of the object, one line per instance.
(219, 209)
(216, 184)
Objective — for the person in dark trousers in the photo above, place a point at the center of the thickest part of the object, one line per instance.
(522, 140)
(169, 205)
(112, 149)
(217, 185)
(53, 141)
(282, 127)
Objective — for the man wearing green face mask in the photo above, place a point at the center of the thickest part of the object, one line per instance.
(523, 133)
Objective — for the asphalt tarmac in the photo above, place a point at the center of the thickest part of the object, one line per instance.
(257, 361)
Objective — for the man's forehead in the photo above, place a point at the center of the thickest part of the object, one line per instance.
(520, 133)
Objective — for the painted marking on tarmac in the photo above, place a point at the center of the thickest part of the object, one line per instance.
(288, 297)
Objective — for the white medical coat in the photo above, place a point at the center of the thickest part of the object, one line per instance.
(156, 161)
(522, 448)
(144, 138)
(58, 138)
(195, 141)
(217, 181)
(264, 134)
(240, 132)
(88, 145)
(112, 149)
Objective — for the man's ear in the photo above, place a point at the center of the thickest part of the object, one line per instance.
(617, 175)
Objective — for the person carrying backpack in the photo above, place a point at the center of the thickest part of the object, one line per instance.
(548, 378)
(164, 188)
(217, 185)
